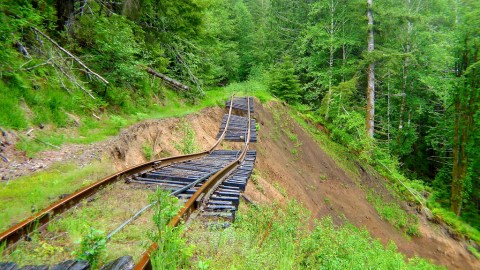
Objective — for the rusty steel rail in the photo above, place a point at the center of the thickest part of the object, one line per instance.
(17, 232)
(196, 200)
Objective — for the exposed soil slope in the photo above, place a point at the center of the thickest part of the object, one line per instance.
(309, 175)
(289, 164)
(126, 149)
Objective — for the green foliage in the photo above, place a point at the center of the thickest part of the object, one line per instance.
(187, 144)
(92, 247)
(283, 82)
(11, 115)
(172, 252)
(391, 212)
(148, 152)
(339, 248)
(474, 251)
(112, 45)
(274, 237)
(322, 42)
(456, 223)
(37, 191)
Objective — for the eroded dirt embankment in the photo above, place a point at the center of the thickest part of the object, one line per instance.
(309, 175)
(289, 164)
(162, 137)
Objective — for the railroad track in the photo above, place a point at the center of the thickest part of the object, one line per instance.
(210, 181)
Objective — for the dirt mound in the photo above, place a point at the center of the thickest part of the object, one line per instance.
(129, 148)
(165, 137)
(288, 157)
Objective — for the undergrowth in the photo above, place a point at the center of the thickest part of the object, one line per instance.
(172, 252)
(456, 223)
(187, 143)
(395, 215)
(88, 129)
(276, 237)
(92, 247)
(81, 231)
(388, 167)
(29, 194)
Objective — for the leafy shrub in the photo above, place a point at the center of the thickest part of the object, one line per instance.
(148, 152)
(275, 237)
(187, 144)
(92, 247)
(283, 82)
(112, 45)
(172, 253)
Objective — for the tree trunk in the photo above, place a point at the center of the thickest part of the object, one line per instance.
(466, 104)
(370, 125)
(64, 8)
(459, 158)
(388, 109)
(331, 33)
(170, 82)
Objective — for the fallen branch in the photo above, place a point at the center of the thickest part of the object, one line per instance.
(193, 78)
(171, 82)
(22, 49)
(4, 158)
(70, 54)
(61, 81)
(96, 117)
(155, 142)
(48, 144)
(73, 80)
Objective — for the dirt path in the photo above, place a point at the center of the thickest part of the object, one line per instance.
(309, 175)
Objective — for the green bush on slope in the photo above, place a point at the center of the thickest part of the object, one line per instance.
(272, 237)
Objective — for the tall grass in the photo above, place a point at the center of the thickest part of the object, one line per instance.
(172, 252)
(394, 214)
(23, 196)
(268, 237)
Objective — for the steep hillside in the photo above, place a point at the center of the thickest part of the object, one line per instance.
(291, 164)
(291, 161)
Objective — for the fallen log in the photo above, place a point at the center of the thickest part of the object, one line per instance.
(71, 55)
(171, 82)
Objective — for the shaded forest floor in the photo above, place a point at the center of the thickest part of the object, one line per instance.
(290, 165)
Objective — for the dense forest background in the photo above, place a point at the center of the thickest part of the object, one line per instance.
(396, 81)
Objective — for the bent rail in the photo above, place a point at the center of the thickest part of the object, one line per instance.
(195, 201)
(15, 233)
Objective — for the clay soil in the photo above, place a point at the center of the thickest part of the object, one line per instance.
(290, 165)
(312, 177)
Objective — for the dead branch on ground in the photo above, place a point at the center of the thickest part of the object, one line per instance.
(71, 55)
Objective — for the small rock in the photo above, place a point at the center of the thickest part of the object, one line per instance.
(41, 126)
